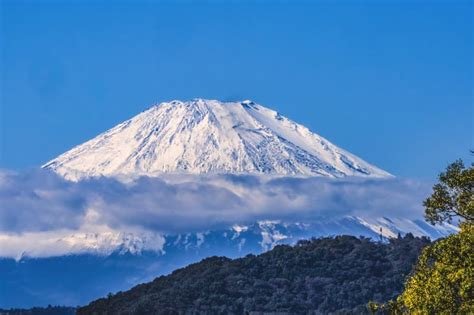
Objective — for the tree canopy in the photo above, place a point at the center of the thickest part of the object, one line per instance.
(320, 276)
(443, 282)
(443, 279)
(453, 196)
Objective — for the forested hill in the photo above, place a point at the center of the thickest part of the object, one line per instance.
(327, 275)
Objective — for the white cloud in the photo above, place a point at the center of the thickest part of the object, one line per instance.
(37, 207)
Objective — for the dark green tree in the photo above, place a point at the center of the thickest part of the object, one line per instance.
(453, 196)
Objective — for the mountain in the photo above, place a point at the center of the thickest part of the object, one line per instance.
(208, 136)
(120, 261)
(251, 153)
(237, 239)
(320, 276)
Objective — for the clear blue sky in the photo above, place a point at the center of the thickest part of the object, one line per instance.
(391, 81)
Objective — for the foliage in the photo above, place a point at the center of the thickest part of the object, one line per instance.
(443, 282)
(327, 275)
(452, 196)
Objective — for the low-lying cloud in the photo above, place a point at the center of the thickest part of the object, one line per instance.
(42, 202)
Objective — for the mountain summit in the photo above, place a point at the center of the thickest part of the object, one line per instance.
(209, 136)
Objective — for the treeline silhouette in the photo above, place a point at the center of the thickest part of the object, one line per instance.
(49, 310)
(327, 275)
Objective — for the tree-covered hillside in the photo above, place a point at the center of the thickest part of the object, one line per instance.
(326, 275)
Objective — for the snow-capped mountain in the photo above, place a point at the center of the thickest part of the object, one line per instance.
(190, 139)
(233, 240)
(208, 136)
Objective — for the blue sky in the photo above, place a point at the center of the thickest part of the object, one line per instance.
(391, 81)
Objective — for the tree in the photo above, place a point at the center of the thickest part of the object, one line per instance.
(452, 196)
(442, 282)
(373, 307)
(443, 279)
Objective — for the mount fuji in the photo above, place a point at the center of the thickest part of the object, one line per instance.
(264, 162)
(199, 140)
(208, 136)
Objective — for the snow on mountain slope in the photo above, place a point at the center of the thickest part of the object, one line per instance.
(257, 237)
(59, 243)
(208, 136)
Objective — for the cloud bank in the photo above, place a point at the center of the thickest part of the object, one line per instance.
(36, 205)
